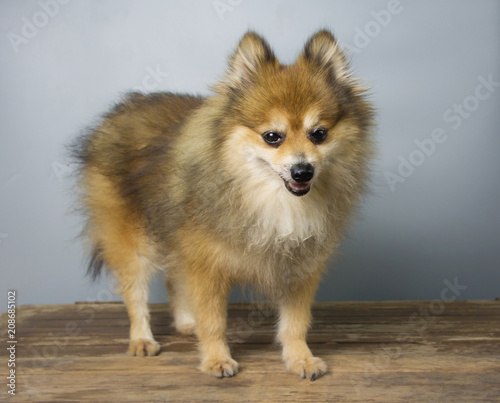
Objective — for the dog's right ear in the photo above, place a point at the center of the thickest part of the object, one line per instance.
(252, 54)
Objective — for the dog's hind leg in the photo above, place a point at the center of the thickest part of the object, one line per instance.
(180, 304)
(134, 287)
(126, 251)
(133, 273)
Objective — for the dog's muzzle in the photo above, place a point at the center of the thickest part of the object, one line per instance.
(301, 174)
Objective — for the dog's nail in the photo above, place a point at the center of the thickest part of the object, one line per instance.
(313, 377)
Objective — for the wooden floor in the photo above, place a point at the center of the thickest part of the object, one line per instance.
(376, 352)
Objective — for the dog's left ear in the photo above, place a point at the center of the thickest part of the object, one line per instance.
(251, 55)
(323, 51)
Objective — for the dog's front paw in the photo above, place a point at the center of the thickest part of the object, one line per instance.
(310, 367)
(143, 347)
(220, 367)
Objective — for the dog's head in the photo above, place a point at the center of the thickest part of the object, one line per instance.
(290, 124)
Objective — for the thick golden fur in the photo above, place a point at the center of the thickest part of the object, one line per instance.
(188, 185)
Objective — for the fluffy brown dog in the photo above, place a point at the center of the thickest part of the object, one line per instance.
(252, 185)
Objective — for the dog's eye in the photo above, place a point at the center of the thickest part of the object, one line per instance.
(273, 138)
(318, 136)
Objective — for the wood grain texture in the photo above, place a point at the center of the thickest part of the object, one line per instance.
(376, 352)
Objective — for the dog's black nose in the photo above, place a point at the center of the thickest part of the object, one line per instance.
(302, 172)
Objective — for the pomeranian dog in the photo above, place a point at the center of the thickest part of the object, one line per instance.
(253, 185)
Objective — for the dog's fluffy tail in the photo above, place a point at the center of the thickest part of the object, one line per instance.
(96, 263)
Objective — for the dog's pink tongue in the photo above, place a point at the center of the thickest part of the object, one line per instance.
(299, 186)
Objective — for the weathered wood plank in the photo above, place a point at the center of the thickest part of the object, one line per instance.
(377, 351)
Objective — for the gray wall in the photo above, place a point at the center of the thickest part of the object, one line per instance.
(61, 66)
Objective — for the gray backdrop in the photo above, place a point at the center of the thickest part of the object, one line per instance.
(430, 228)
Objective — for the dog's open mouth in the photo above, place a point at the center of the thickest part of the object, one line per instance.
(297, 189)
